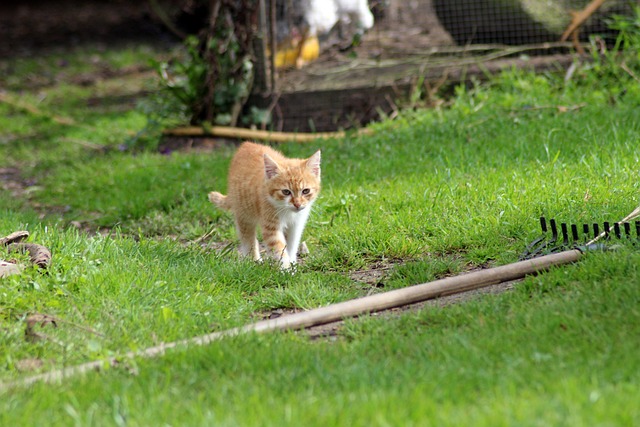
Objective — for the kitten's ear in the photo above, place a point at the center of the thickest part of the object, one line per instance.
(271, 168)
(313, 163)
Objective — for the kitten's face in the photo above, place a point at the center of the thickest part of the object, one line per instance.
(293, 188)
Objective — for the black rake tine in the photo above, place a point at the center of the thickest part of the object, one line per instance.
(616, 230)
(607, 229)
(543, 224)
(565, 235)
(574, 232)
(538, 245)
(554, 230)
(627, 230)
(534, 248)
(541, 249)
(638, 229)
(585, 231)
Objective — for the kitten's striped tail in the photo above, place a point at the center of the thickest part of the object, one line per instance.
(220, 200)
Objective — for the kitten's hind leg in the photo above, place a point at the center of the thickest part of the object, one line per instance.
(248, 239)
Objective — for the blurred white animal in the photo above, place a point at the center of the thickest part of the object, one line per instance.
(302, 22)
(322, 15)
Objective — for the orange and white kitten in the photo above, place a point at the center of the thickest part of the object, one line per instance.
(267, 189)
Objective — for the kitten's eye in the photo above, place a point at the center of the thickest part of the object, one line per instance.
(306, 191)
(286, 192)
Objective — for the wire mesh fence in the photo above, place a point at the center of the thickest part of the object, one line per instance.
(526, 21)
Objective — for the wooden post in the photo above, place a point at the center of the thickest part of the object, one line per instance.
(260, 52)
(273, 43)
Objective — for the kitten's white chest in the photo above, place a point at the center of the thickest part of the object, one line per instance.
(291, 219)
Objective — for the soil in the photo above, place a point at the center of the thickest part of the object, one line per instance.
(32, 26)
(11, 181)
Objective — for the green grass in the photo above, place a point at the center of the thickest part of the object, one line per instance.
(432, 193)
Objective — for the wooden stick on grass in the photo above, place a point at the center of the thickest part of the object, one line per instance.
(333, 312)
(256, 135)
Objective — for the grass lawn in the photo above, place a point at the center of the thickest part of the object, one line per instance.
(140, 257)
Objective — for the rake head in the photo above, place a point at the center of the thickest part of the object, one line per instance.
(572, 236)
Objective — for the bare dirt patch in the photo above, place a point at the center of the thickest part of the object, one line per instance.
(11, 180)
(331, 331)
(374, 276)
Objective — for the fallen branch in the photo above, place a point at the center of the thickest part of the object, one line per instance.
(331, 313)
(34, 110)
(559, 108)
(46, 319)
(10, 268)
(38, 254)
(626, 68)
(257, 135)
(580, 17)
(15, 237)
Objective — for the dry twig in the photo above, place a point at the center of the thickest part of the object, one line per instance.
(579, 18)
(21, 105)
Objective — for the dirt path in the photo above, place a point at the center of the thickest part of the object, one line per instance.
(374, 277)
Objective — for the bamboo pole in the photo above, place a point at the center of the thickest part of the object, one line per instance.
(332, 313)
(257, 135)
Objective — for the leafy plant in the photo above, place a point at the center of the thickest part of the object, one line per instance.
(624, 56)
(213, 78)
(628, 28)
(187, 82)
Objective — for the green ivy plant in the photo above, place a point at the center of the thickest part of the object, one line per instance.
(213, 76)
(187, 81)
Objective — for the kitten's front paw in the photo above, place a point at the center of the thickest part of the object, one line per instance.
(292, 268)
(285, 264)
